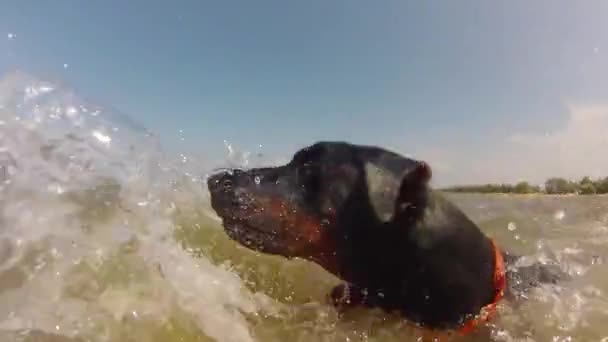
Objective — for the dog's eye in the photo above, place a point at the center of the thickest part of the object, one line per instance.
(314, 183)
(308, 178)
(308, 170)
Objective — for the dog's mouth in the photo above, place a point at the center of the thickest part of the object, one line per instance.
(258, 217)
(252, 237)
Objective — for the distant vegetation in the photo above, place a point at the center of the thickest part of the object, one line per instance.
(585, 186)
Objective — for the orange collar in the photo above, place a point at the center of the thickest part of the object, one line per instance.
(500, 282)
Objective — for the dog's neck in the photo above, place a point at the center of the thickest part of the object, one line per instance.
(420, 242)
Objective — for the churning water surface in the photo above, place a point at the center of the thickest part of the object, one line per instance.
(103, 237)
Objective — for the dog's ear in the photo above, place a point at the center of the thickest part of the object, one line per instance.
(413, 191)
(388, 192)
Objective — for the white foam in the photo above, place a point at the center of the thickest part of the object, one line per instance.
(55, 155)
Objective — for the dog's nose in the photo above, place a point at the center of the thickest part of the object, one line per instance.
(222, 181)
(225, 181)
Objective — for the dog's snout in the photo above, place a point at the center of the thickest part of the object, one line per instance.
(226, 181)
(220, 182)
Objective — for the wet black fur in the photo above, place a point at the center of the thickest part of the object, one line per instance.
(425, 258)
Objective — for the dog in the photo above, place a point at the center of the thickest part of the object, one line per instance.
(369, 216)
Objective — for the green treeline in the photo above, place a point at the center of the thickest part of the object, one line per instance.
(585, 186)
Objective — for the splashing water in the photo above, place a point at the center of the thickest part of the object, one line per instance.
(86, 242)
(105, 238)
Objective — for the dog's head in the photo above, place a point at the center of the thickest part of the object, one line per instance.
(328, 191)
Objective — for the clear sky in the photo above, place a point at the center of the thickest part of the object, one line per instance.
(483, 90)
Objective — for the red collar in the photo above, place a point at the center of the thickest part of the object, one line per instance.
(500, 282)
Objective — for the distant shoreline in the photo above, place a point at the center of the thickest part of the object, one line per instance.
(534, 194)
(552, 186)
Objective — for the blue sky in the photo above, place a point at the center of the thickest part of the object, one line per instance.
(483, 90)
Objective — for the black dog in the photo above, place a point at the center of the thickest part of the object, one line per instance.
(368, 216)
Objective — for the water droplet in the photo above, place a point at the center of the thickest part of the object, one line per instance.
(511, 226)
(71, 111)
(56, 188)
(65, 65)
(11, 36)
(105, 139)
